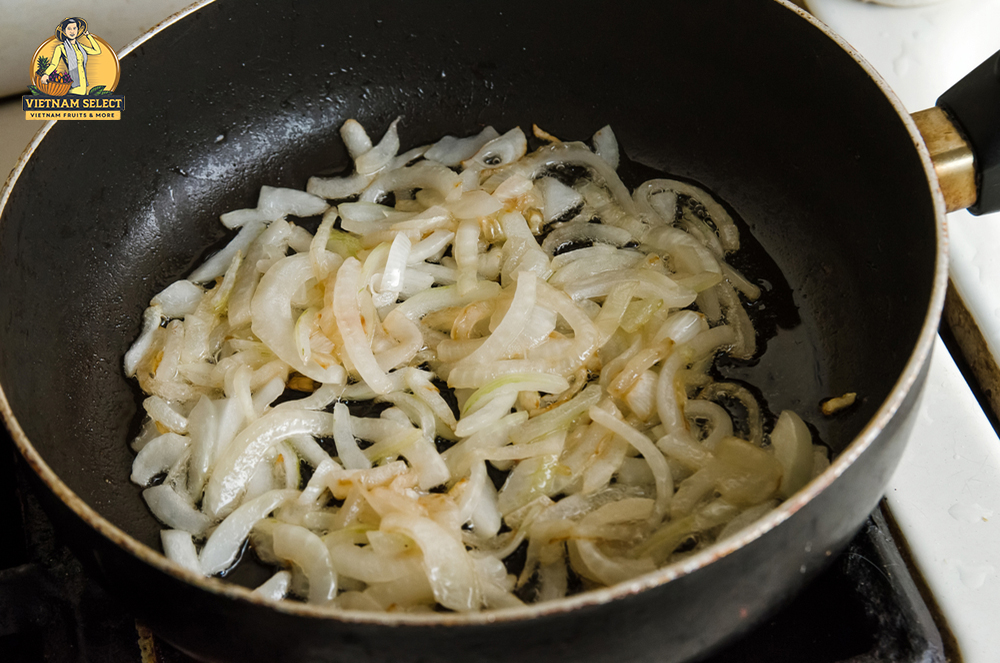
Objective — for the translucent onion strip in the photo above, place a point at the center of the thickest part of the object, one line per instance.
(238, 460)
(645, 446)
(348, 314)
(224, 544)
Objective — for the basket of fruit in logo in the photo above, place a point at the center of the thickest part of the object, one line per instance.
(59, 81)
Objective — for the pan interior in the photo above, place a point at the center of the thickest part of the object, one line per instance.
(750, 101)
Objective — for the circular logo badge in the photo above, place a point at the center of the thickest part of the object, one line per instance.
(74, 62)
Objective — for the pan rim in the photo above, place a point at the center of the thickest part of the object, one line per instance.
(886, 411)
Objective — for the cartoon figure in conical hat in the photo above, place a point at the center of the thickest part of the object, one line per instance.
(73, 49)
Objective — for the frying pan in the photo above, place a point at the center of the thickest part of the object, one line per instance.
(753, 100)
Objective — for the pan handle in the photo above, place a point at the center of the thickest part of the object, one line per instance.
(963, 135)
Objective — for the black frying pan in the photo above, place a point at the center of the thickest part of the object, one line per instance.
(751, 99)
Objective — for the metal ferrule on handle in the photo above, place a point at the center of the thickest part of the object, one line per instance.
(963, 135)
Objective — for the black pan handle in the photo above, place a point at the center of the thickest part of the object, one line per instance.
(973, 104)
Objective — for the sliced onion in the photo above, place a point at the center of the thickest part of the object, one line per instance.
(176, 510)
(500, 151)
(408, 339)
(598, 566)
(645, 446)
(348, 312)
(448, 566)
(431, 218)
(431, 245)
(582, 231)
(746, 518)
(139, 353)
(606, 145)
(741, 394)
(558, 418)
(276, 587)
(179, 298)
(466, 249)
(559, 198)
(323, 261)
(512, 324)
(271, 244)
(461, 457)
(274, 320)
(418, 306)
(216, 266)
(740, 282)
(408, 157)
(718, 420)
(550, 445)
(474, 204)
(307, 551)
(578, 154)
(178, 546)
(478, 505)
(552, 384)
(530, 479)
(161, 412)
(237, 462)
(651, 284)
(355, 138)
(727, 231)
(241, 217)
(421, 175)
(490, 411)
(224, 544)
(745, 344)
(512, 188)
(587, 263)
(379, 156)
(338, 188)
(279, 202)
(412, 592)
(451, 151)
(347, 446)
(371, 566)
(158, 456)
(395, 264)
(792, 443)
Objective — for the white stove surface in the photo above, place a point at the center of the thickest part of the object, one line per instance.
(946, 493)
